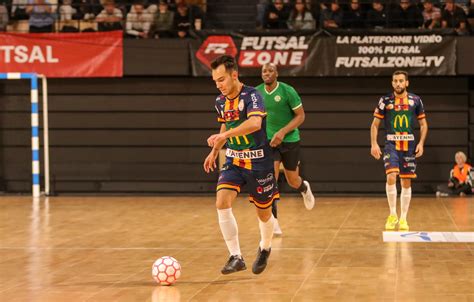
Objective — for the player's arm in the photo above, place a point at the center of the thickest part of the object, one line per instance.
(297, 120)
(423, 133)
(252, 124)
(210, 161)
(374, 131)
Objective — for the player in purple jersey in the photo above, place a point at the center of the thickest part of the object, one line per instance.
(399, 111)
(241, 112)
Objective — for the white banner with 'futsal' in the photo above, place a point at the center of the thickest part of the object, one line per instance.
(428, 236)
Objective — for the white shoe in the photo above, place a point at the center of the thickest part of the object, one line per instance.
(276, 228)
(438, 194)
(308, 197)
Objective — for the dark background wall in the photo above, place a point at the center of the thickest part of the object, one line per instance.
(148, 134)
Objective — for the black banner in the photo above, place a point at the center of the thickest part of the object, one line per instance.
(313, 54)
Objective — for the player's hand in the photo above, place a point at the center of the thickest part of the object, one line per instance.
(376, 152)
(450, 184)
(215, 139)
(277, 139)
(419, 150)
(210, 162)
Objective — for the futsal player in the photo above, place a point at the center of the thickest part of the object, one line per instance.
(285, 114)
(241, 112)
(399, 110)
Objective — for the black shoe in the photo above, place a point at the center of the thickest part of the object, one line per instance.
(261, 262)
(234, 264)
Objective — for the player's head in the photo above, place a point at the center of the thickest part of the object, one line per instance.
(269, 73)
(460, 158)
(225, 74)
(400, 81)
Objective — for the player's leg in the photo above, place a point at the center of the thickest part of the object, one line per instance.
(407, 173)
(227, 190)
(392, 170)
(276, 167)
(291, 161)
(263, 200)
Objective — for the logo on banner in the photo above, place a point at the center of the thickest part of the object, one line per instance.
(423, 235)
(215, 46)
(280, 50)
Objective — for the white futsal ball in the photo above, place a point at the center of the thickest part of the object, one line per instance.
(166, 270)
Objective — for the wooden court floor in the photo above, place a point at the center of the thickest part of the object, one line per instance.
(102, 249)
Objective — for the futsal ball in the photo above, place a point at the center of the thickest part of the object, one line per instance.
(166, 270)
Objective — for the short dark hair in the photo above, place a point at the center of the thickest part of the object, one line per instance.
(228, 61)
(401, 72)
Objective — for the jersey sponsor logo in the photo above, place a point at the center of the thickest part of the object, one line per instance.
(231, 115)
(265, 180)
(400, 137)
(241, 105)
(279, 50)
(389, 106)
(399, 121)
(254, 101)
(277, 98)
(252, 154)
(411, 103)
(215, 46)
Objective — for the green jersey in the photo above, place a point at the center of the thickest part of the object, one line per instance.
(279, 105)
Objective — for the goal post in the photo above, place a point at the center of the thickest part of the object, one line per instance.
(35, 142)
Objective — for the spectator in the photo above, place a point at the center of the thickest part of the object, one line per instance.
(460, 179)
(301, 17)
(110, 17)
(332, 17)
(276, 16)
(405, 15)
(454, 17)
(377, 16)
(138, 21)
(315, 7)
(86, 9)
(164, 19)
(261, 9)
(41, 16)
(66, 11)
(19, 10)
(354, 17)
(182, 21)
(431, 15)
(3, 17)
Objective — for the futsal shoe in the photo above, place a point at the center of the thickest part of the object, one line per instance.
(276, 228)
(308, 197)
(261, 262)
(233, 265)
(391, 222)
(403, 225)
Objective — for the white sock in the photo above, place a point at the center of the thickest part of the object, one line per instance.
(229, 230)
(405, 198)
(266, 233)
(391, 191)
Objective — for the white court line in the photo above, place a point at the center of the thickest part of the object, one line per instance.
(457, 237)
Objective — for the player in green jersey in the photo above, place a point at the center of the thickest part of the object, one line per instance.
(285, 114)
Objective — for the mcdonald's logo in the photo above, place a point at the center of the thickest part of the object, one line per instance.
(400, 120)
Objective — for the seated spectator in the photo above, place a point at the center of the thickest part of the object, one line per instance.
(138, 21)
(164, 21)
(261, 9)
(354, 17)
(110, 17)
(3, 17)
(18, 11)
(470, 16)
(431, 15)
(86, 9)
(315, 7)
(194, 11)
(182, 21)
(377, 16)
(405, 15)
(41, 16)
(454, 17)
(332, 17)
(66, 11)
(460, 179)
(276, 16)
(300, 17)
